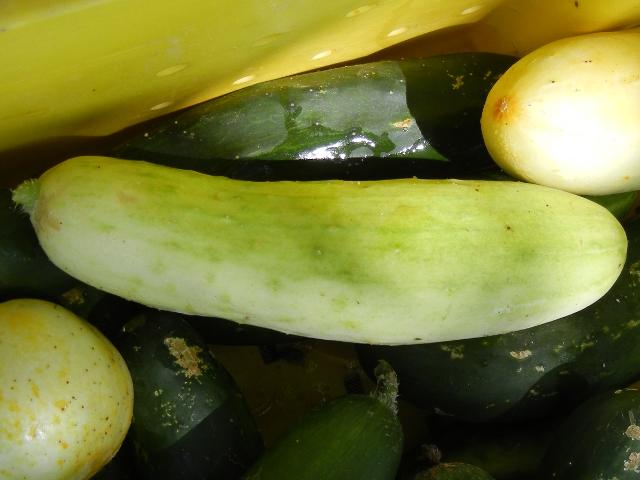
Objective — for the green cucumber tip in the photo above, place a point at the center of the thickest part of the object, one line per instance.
(26, 194)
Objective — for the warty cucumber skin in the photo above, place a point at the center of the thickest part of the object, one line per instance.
(382, 262)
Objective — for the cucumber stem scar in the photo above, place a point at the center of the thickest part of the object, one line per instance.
(26, 194)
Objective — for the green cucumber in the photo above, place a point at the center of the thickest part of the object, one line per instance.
(321, 124)
(356, 436)
(395, 261)
(549, 368)
(599, 440)
(190, 421)
(453, 471)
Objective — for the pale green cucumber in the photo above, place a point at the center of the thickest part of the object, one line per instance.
(384, 262)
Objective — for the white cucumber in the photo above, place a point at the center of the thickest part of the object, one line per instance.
(383, 262)
(567, 115)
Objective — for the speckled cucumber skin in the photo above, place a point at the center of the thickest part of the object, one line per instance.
(66, 396)
(396, 261)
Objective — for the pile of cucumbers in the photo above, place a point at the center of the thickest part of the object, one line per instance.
(485, 328)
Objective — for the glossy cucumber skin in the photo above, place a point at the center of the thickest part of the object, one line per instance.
(190, 419)
(549, 367)
(322, 124)
(334, 259)
(599, 439)
(350, 438)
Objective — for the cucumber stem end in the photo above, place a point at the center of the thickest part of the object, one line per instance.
(26, 194)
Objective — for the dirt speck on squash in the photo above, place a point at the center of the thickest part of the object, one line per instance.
(633, 463)
(521, 355)
(633, 432)
(74, 296)
(403, 124)
(187, 357)
(504, 109)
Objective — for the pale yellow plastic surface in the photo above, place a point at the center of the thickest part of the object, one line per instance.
(91, 67)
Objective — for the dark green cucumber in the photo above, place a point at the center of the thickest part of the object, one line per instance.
(533, 372)
(353, 437)
(190, 419)
(599, 440)
(454, 471)
(423, 112)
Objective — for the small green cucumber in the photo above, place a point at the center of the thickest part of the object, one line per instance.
(353, 437)
(190, 420)
(392, 261)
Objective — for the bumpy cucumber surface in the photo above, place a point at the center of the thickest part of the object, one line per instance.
(321, 124)
(397, 261)
(190, 421)
(549, 367)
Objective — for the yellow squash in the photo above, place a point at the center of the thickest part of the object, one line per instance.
(91, 67)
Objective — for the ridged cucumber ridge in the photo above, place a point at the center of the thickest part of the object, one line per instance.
(26, 194)
(386, 390)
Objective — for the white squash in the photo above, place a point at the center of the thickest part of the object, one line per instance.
(567, 115)
(66, 397)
